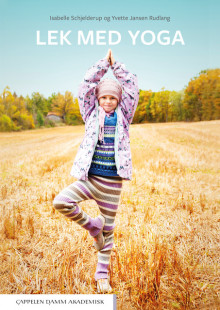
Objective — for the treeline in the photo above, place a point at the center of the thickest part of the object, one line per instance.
(19, 113)
(200, 100)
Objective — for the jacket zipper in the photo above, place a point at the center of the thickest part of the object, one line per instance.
(97, 137)
(116, 142)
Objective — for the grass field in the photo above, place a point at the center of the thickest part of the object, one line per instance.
(166, 253)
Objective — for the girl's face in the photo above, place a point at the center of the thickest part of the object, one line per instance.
(108, 102)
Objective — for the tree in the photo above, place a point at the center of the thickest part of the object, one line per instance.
(40, 118)
(67, 107)
(176, 108)
(202, 96)
(14, 115)
(6, 123)
(160, 106)
(141, 113)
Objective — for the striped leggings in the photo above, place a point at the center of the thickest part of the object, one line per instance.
(106, 192)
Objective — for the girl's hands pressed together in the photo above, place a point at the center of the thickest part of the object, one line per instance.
(110, 57)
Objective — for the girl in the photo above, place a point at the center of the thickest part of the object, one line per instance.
(103, 160)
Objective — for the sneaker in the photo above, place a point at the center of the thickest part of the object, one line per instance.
(103, 286)
(99, 239)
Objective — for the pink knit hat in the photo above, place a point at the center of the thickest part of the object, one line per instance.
(109, 87)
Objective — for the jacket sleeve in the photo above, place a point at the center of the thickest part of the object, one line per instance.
(86, 93)
(130, 93)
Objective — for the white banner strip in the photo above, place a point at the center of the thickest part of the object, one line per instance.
(58, 302)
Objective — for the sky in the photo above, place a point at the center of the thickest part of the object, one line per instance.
(27, 67)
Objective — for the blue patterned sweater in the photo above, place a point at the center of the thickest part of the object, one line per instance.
(103, 160)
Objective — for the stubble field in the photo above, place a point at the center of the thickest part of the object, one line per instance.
(166, 253)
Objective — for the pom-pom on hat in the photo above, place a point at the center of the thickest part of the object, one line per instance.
(109, 87)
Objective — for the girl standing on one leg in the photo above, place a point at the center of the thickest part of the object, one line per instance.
(103, 160)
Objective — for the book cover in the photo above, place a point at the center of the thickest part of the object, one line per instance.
(161, 221)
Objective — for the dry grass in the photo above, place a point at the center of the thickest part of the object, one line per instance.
(166, 253)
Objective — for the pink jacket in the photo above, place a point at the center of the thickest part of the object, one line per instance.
(125, 110)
